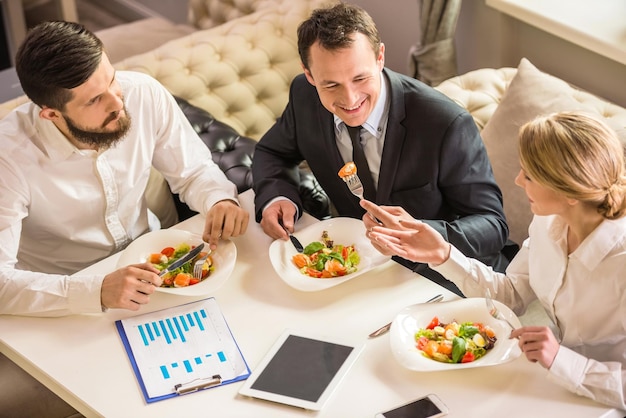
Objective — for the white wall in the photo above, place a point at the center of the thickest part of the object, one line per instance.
(488, 38)
(397, 22)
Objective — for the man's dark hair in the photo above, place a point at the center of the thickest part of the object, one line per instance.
(55, 57)
(334, 28)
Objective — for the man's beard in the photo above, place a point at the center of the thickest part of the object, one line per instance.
(99, 137)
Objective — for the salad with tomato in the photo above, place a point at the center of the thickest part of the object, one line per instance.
(182, 276)
(323, 259)
(455, 342)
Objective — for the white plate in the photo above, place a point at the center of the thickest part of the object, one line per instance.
(344, 231)
(412, 318)
(224, 258)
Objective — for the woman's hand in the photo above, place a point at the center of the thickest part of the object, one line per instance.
(399, 234)
(538, 344)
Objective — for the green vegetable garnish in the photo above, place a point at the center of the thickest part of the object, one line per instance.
(458, 349)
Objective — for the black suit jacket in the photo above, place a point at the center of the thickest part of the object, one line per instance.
(434, 165)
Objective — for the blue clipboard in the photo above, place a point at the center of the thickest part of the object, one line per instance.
(181, 350)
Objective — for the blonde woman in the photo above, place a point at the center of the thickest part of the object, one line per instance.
(574, 260)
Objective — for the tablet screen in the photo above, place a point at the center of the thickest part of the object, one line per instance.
(301, 371)
(302, 368)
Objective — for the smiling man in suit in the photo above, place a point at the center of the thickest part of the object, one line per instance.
(423, 151)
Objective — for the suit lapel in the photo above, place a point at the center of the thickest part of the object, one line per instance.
(394, 139)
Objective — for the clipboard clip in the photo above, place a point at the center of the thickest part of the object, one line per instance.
(198, 384)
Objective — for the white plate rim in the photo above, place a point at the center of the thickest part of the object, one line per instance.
(404, 325)
(224, 258)
(281, 252)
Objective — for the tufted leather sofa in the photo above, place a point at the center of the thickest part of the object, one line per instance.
(233, 153)
(230, 70)
(237, 67)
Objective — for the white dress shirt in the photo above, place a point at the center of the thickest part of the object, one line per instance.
(584, 293)
(62, 209)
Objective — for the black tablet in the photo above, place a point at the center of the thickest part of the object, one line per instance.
(301, 370)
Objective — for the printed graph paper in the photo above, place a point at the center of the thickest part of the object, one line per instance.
(181, 345)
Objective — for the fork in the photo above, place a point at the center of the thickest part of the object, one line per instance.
(356, 187)
(354, 184)
(197, 266)
(493, 310)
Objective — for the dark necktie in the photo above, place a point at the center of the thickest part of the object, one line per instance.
(362, 168)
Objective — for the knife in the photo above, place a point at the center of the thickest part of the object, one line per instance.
(382, 330)
(183, 260)
(296, 243)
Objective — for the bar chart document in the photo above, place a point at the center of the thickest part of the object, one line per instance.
(182, 349)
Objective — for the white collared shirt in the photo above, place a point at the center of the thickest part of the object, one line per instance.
(584, 293)
(62, 209)
(372, 134)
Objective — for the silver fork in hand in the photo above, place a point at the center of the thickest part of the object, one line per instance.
(356, 187)
(354, 184)
(493, 310)
(197, 266)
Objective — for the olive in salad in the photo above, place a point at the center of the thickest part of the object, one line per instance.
(455, 342)
(325, 259)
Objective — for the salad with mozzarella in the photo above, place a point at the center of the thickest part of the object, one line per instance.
(455, 342)
(182, 276)
(323, 259)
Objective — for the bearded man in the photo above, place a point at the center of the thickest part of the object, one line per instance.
(75, 163)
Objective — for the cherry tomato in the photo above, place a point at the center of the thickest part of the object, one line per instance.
(194, 281)
(168, 281)
(433, 323)
(313, 273)
(421, 342)
(468, 357)
(168, 251)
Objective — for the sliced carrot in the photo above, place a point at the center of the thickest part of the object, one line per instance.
(347, 170)
(445, 348)
(301, 260)
(182, 279)
(335, 267)
(156, 258)
(431, 348)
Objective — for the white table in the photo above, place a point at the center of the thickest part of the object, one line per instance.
(81, 357)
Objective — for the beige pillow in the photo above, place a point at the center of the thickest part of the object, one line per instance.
(531, 93)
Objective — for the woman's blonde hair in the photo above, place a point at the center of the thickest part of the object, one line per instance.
(577, 155)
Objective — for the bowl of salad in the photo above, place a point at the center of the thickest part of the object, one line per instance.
(157, 247)
(335, 250)
(452, 335)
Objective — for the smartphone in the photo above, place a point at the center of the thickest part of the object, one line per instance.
(430, 406)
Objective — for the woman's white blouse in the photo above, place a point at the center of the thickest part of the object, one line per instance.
(584, 293)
